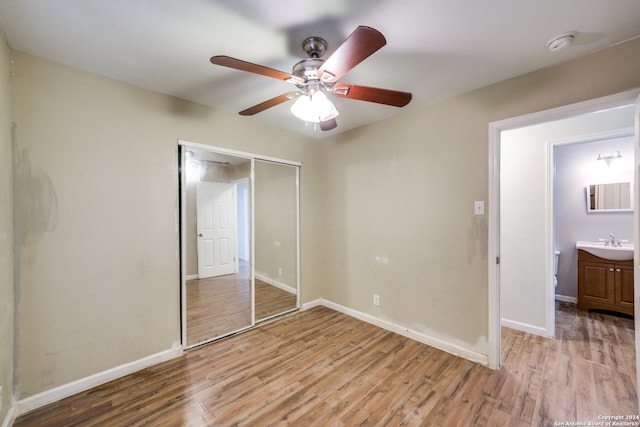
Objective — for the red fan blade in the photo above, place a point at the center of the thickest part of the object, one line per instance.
(269, 103)
(238, 64)
(372, 94)
(328, 124)
(363, 42)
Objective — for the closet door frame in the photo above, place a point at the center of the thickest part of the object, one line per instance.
(183, 146)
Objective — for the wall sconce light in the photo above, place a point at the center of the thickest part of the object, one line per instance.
(608, 159)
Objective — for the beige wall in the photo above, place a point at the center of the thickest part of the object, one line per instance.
(6, 236)
(399, 214)
(386, 208)
(97, 240)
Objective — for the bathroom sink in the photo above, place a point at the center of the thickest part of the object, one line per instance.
(614, 253)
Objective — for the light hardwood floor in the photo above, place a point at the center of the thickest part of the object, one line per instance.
(323, 368)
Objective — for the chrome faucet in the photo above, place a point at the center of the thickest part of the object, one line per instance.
(612, 240)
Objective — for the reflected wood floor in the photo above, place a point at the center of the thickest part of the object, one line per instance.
(271, 300)
(219, 305)
(324, 368)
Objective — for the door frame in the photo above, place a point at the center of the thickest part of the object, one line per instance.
(495, 129)
(247, 224)
(183, 145)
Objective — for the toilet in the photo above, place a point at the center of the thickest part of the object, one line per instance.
(556, 256)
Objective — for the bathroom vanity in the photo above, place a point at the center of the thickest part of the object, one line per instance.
(605, 283)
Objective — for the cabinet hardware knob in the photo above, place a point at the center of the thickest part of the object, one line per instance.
(617, 269)
(611, 269)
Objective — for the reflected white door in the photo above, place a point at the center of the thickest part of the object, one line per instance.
(216, 228)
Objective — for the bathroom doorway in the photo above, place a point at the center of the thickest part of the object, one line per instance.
(536, 254)
(578, 176)
(547, 159)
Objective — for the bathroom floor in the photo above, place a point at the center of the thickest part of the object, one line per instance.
(586, 371)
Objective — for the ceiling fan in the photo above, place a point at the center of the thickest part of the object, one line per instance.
(315, 77)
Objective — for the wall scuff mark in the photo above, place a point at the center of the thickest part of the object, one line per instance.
(35, 199)
(35, 211)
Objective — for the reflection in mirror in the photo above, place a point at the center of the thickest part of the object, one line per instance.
(217, 238)
(276, 238)
(609, 197)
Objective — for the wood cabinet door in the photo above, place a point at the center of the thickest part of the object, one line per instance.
(596, 282)
(624, 287)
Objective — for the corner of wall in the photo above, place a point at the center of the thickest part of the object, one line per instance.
(7, 294)
(10, 417)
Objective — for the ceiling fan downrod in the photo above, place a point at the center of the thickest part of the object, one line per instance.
(314, 47)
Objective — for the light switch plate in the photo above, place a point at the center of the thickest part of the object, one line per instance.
(478, 207)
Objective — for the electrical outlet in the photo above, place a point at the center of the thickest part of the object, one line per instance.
(376, 300)
(279, 271)
(0, 398)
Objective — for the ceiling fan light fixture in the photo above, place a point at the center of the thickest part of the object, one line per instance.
(315, 78)
(314, 107)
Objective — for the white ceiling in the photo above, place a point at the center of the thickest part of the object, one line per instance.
(435, 49)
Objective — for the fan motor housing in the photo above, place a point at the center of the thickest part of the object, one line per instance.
(307, 68)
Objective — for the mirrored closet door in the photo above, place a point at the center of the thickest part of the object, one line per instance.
(217, 288)
(239, 241)
(276, 239)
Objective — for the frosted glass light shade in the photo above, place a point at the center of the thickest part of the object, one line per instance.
(314, 108)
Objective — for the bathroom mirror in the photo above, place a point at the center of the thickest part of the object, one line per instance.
(613, 197)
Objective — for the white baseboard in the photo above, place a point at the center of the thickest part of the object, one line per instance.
(525, 327)
(191, 277)
(41, 399)
(311, 304)
(564, 298)
(438, 343)
(11, 416)
(272, 282)
(46, 397)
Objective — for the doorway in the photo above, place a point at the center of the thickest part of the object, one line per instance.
(543, 259)
(538, 161)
